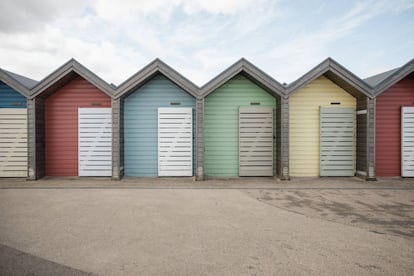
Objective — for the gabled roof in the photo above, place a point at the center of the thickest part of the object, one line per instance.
(153, 68)
(376, 79)
(64, 74)
(17, 82)
(337, 74)
(252, 72)
(390, 78)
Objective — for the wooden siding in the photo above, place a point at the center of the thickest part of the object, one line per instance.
(304, 137)
(10, 98)
(362, 127)
(221, 124)
(140, 117)
(13, 142)
(388, 126)
(61, 124)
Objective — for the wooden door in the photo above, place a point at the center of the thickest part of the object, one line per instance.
(175, 141)
(407, 143)
(13, 142)
(95, 141)
(256, 141)
(337, 141)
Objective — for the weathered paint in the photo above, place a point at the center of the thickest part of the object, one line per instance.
(221, 124)
(61, 124)
(9, 98)
(13, 132)
(13, 142)
(140, 125)
(304, 136)
(388, 126)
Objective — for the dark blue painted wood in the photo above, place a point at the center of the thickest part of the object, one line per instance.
(10, 98)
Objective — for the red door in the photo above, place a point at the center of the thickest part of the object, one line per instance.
(388, 127)
(61, 124)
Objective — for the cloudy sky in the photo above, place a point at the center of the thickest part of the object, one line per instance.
(200, 38)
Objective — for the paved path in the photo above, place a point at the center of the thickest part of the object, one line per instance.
(192, 232)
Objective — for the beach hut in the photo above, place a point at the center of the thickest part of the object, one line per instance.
(330, 123)
(394, 119)
(14, 90)
(158, 123)
(242, 123)
(70, 128)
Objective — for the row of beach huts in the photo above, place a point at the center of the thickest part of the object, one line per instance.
(329, 122)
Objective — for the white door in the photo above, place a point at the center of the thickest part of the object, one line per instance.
(337, 141)
(407, 143)
(13, 142)
(175, 141)
(256, 141)
(95, 141)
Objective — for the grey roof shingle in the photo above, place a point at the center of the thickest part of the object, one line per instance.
(19, 83)
(26, 82)
(376, 79)
(383, 81)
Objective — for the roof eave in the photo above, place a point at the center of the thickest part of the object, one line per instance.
(13, 83)
(326, 66)
(243, 66)
(154, 67)
(398, 75)
(67, 68)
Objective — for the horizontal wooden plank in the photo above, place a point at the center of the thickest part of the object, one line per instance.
(13, 111)
(95, 172)
(11, 173)
(253, 172)
(337, 173)
(174, 109)
(254, 109)
(94, 110)
(186, 172)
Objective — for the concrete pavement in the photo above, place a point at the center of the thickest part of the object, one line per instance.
(186, 231)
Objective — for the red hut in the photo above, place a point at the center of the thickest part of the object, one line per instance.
(394, 146)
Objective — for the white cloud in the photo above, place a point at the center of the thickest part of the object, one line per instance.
(163, 8)
(199, 38)
(28, 15)
(295, 56)
(49, 49)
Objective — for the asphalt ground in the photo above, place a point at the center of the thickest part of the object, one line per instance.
(176, 226)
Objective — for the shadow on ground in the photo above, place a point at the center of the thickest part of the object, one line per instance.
(379, 211)
(14, 263)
